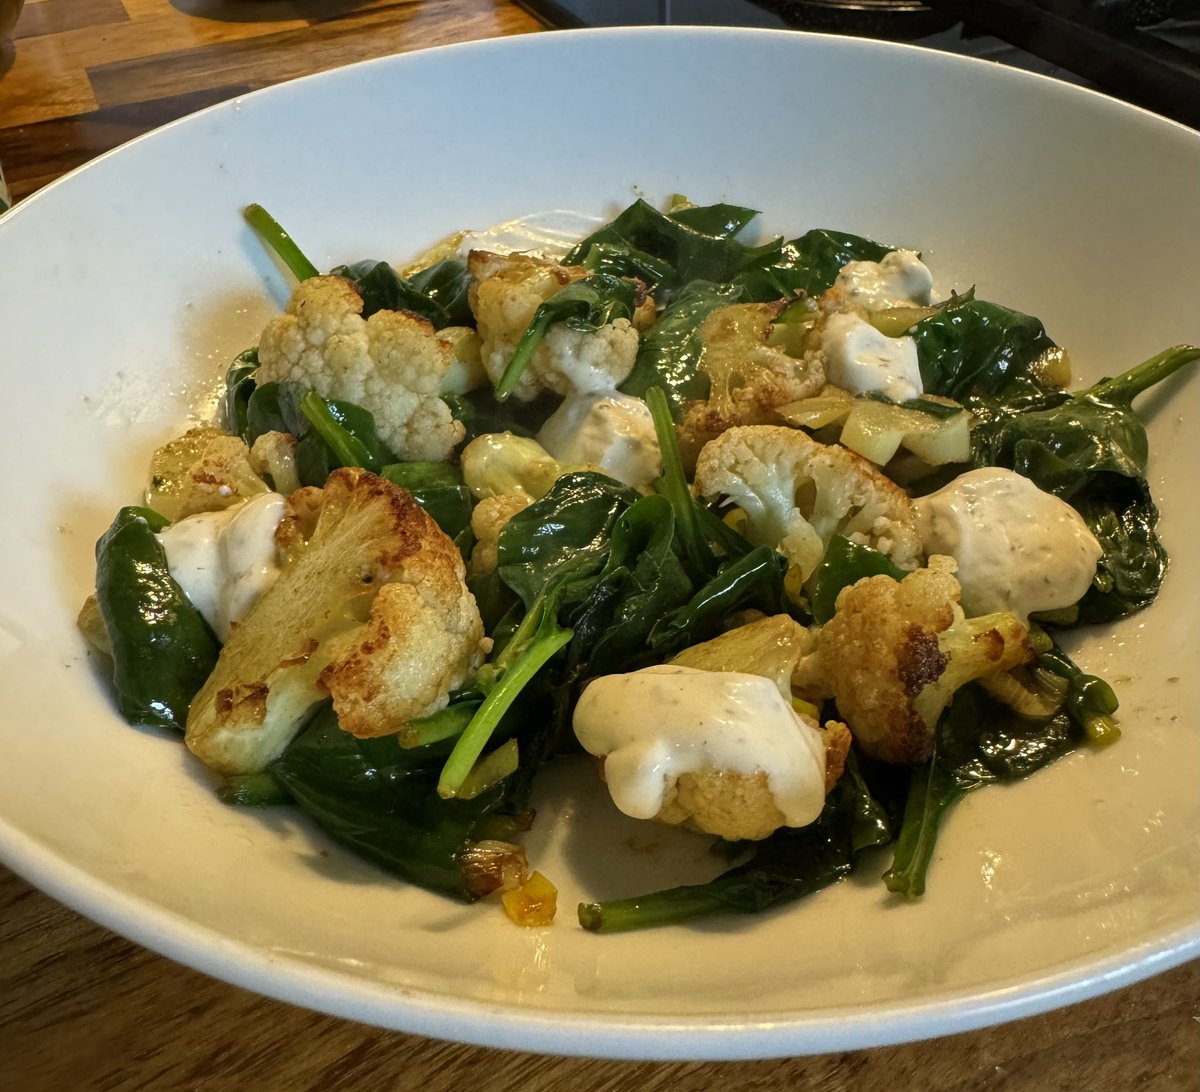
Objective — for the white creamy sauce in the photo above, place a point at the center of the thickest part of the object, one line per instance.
(858, 358)
(224, 561)
(1018, 548)
(658, 723)
(549, 234)
(606, 429)
(901, 279)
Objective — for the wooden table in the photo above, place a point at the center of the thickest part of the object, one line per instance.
(81, 1008)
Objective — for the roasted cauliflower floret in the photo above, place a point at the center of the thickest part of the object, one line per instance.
(204, 470)
(722, 751)
(895, 652)
(797, 494)
(729, 804)
(742, 807)
(393, 364)
(750, 372)
(505, 293)
(488, 518)
(372, 612)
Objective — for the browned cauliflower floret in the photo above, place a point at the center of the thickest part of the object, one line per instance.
(739, 806)
(204, 470)
(373, 612)
(722, 749)
(731, 805)
(393, 364)
(751, 374)
(778, 648)
(798, 493)
(488, 519)
(895, 652)
(506, 291)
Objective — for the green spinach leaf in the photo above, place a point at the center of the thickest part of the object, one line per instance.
(162, 648)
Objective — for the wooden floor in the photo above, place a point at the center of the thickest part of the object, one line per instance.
(82, 76)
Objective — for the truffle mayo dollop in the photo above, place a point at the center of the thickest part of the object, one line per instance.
(859, 358)
(899, 279)
(1018, 548)
(607, 429)
(225, 561)
(660, 722)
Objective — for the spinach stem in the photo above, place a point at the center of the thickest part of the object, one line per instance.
(257, 790)
(668, 907)
(471, 743)
(673, 483)
(271, 232)
(444, 724)
(490, 770)
(930, 793)
(522, 354)
(346, 447)
(1124, 388)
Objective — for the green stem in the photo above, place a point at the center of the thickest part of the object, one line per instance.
(673, 483)
(490, 770)
(269, 230)
(1091, 701)
(471, 743)
(931, 792)
(1102, 729)
(647, 911)
(1123, 389)
(346, 448)
(444, 724)
(522, 354)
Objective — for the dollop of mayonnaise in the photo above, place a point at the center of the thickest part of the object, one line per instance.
(606, 429)
(225, 561)
(653, 725)
(858, 358)
(900, 279)
(1018, 548)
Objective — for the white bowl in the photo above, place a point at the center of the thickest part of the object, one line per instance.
(128, 286)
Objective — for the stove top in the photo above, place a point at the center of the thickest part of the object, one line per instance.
(1144, 51)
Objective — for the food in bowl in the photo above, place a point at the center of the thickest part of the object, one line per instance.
(776, 533)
